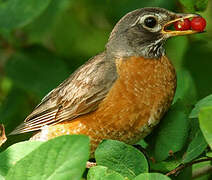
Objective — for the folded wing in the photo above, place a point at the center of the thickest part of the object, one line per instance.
(80, 94)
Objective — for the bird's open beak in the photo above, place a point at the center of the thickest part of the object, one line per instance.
(178, 17)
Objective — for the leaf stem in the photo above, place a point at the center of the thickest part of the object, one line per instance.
(202, 171)
(182, 166)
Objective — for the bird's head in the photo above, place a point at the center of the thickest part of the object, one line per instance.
(143, 32)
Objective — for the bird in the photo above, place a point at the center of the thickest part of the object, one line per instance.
(121, 93)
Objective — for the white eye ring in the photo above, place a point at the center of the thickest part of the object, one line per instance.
(141, 20)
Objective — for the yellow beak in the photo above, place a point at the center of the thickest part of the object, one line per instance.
(170, 33)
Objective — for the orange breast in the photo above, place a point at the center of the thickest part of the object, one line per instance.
(141, 95)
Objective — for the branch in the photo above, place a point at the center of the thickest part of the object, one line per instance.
(182, 166)
(201, 171)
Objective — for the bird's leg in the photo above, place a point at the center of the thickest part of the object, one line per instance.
(90, 164)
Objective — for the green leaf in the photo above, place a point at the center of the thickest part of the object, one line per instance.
(1, 177)
(114, 176)
(97, 172)
(185, 174)
(14, 153)
(196, 168)
(61, 158)
(205, 121)
(172, 132)
(205, 102)
(103, 173)
(209, 154)
(188, 4)
(37, 71)
(10, 109)
(17, 13)
(201, 5)
(152, 176)
(200, 49)
(186, 90)
(78, 34)
(41, 27)
(142, 143)
(164, 166)
(122, 158)
(194, 5)
(181, 44)
(196, 147)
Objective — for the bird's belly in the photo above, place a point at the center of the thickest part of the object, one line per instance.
(134, 105)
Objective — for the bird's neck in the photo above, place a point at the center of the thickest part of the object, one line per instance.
(153, 50)
(125, 48)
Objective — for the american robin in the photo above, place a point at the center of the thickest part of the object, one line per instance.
(121, 93)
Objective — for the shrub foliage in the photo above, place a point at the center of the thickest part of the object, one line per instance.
(42, 42)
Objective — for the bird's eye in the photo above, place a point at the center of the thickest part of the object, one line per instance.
(150, 22)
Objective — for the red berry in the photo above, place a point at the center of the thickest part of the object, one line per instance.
(198, 23)
(182, 25)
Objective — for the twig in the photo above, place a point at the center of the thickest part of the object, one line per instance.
(182, 166)
(201, 171)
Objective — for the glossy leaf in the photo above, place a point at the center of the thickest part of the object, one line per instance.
(186, 90)
(39, 30)
(114, 176)
(181, 44)
(201, 5)
(197, 5)
(77, 36)
(209, 154)
(205, 120)
(205, 102)
(142, 143)
(14, 153)
(152, 176)
(164, 166)
(200, 166)
(103, 173)
(188, 4)
(185, 174)
(61, 158)
(37, 71)
(172, 132)
(196, 147)
(1, 177)
(17, 13)
(10, 110)
(197, 61)
(122, 158)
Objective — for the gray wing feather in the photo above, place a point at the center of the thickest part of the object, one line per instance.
(81, 93)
